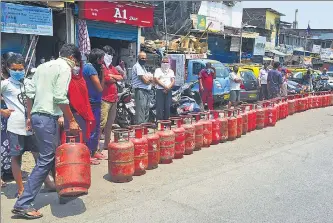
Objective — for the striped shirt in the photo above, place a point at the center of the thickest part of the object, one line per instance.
(137, 71)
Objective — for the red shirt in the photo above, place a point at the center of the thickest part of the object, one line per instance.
(207, 79)
(110, 92)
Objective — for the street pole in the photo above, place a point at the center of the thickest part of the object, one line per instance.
(240, 44)
(165, 27)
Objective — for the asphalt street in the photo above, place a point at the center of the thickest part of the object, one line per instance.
(278, 174)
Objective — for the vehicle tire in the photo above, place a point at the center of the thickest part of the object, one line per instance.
(124, 118)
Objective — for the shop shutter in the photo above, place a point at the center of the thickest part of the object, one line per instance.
(12, 42)
(112, 31)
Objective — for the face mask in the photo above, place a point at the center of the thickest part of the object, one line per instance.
(165, 66)
(76, 70)
(108, 59)
(17, 75)
(142, 62)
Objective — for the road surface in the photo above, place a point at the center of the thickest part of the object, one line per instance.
(278, 174)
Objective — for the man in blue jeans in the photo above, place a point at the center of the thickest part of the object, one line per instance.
(48, 89)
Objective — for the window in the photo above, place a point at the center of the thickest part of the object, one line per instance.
(221, 70)
(197, 67)
(248, 76)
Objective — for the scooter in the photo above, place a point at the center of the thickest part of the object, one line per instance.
(125, 108)
(321, 84)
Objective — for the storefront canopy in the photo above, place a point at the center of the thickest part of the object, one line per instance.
(278, 53)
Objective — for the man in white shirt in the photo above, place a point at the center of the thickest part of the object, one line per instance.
(165, 79)
(263, 82)
(20, 140)
(235, 82)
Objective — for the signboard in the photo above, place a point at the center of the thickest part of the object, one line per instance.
(234, 46)
(177, 64)
(307, 61)
(201, 25)
(326, 54)
(195, 56)
(118, 12)
(26, 19)
(216, 25)
(259, 46)
(316, 48)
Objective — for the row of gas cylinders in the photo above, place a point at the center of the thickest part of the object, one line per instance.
(144, 147)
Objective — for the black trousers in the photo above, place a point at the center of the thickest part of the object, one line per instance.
(263, 92)
(163, 104)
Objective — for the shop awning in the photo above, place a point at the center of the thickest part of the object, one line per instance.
(278, 53)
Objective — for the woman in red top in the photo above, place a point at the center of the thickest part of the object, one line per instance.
(110, 95)
(206, 78)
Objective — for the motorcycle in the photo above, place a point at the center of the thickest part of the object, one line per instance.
(184, 100)
(321, 84)
(125, 108)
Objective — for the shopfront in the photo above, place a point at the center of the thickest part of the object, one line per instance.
(117, 24)
(19, 22)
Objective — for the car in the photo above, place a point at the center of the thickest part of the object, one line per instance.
(250, 87)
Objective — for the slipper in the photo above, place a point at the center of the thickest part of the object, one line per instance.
(94, 161)
(100, 156)
(24, 213)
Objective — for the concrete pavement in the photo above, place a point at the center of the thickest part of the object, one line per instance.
(280, 174)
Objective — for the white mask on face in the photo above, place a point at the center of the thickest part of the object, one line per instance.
(76, 70)
(165, 66)
(108, 59)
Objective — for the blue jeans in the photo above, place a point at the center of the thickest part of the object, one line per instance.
(93, 141)
(46, 130)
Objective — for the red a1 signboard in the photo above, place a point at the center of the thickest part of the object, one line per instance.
(118, 12)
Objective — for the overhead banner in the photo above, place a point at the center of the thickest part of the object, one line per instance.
(118, 12)
(24, 19)
(259, 46)
(316, 48)
(234, 46)
(177, 64)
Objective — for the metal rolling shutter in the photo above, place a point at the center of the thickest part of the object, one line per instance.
(13, 42)
(112, 31)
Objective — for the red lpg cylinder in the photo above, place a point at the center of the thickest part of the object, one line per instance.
(216, 127)
(250, 114)
(232, 125)
(272, 114)
(327, 99)
(189, 134)
(153, 145)
(239, 123)
(167, 141)
(265, 108)
(310, 103)
(254, 116)
(291, 105)
(297, 103)
(72, 167)
(223, 118)
(314, 101)
(207, 129)
(176, 126)
(121, 157)
(244, 120)
(331, 98)
(306, 101)
(301, 104)
(280, 109)
(286, 107)
(320, 100)
(198, 128)
(260, 117)
(140, 150)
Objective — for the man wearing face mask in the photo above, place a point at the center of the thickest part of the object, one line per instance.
(142, 83)
(165, 79)
(109, 96)
(206, 78)
(48, 88)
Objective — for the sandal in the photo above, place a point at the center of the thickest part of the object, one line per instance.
(94, 161)
(100, 156)
(24, 213)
